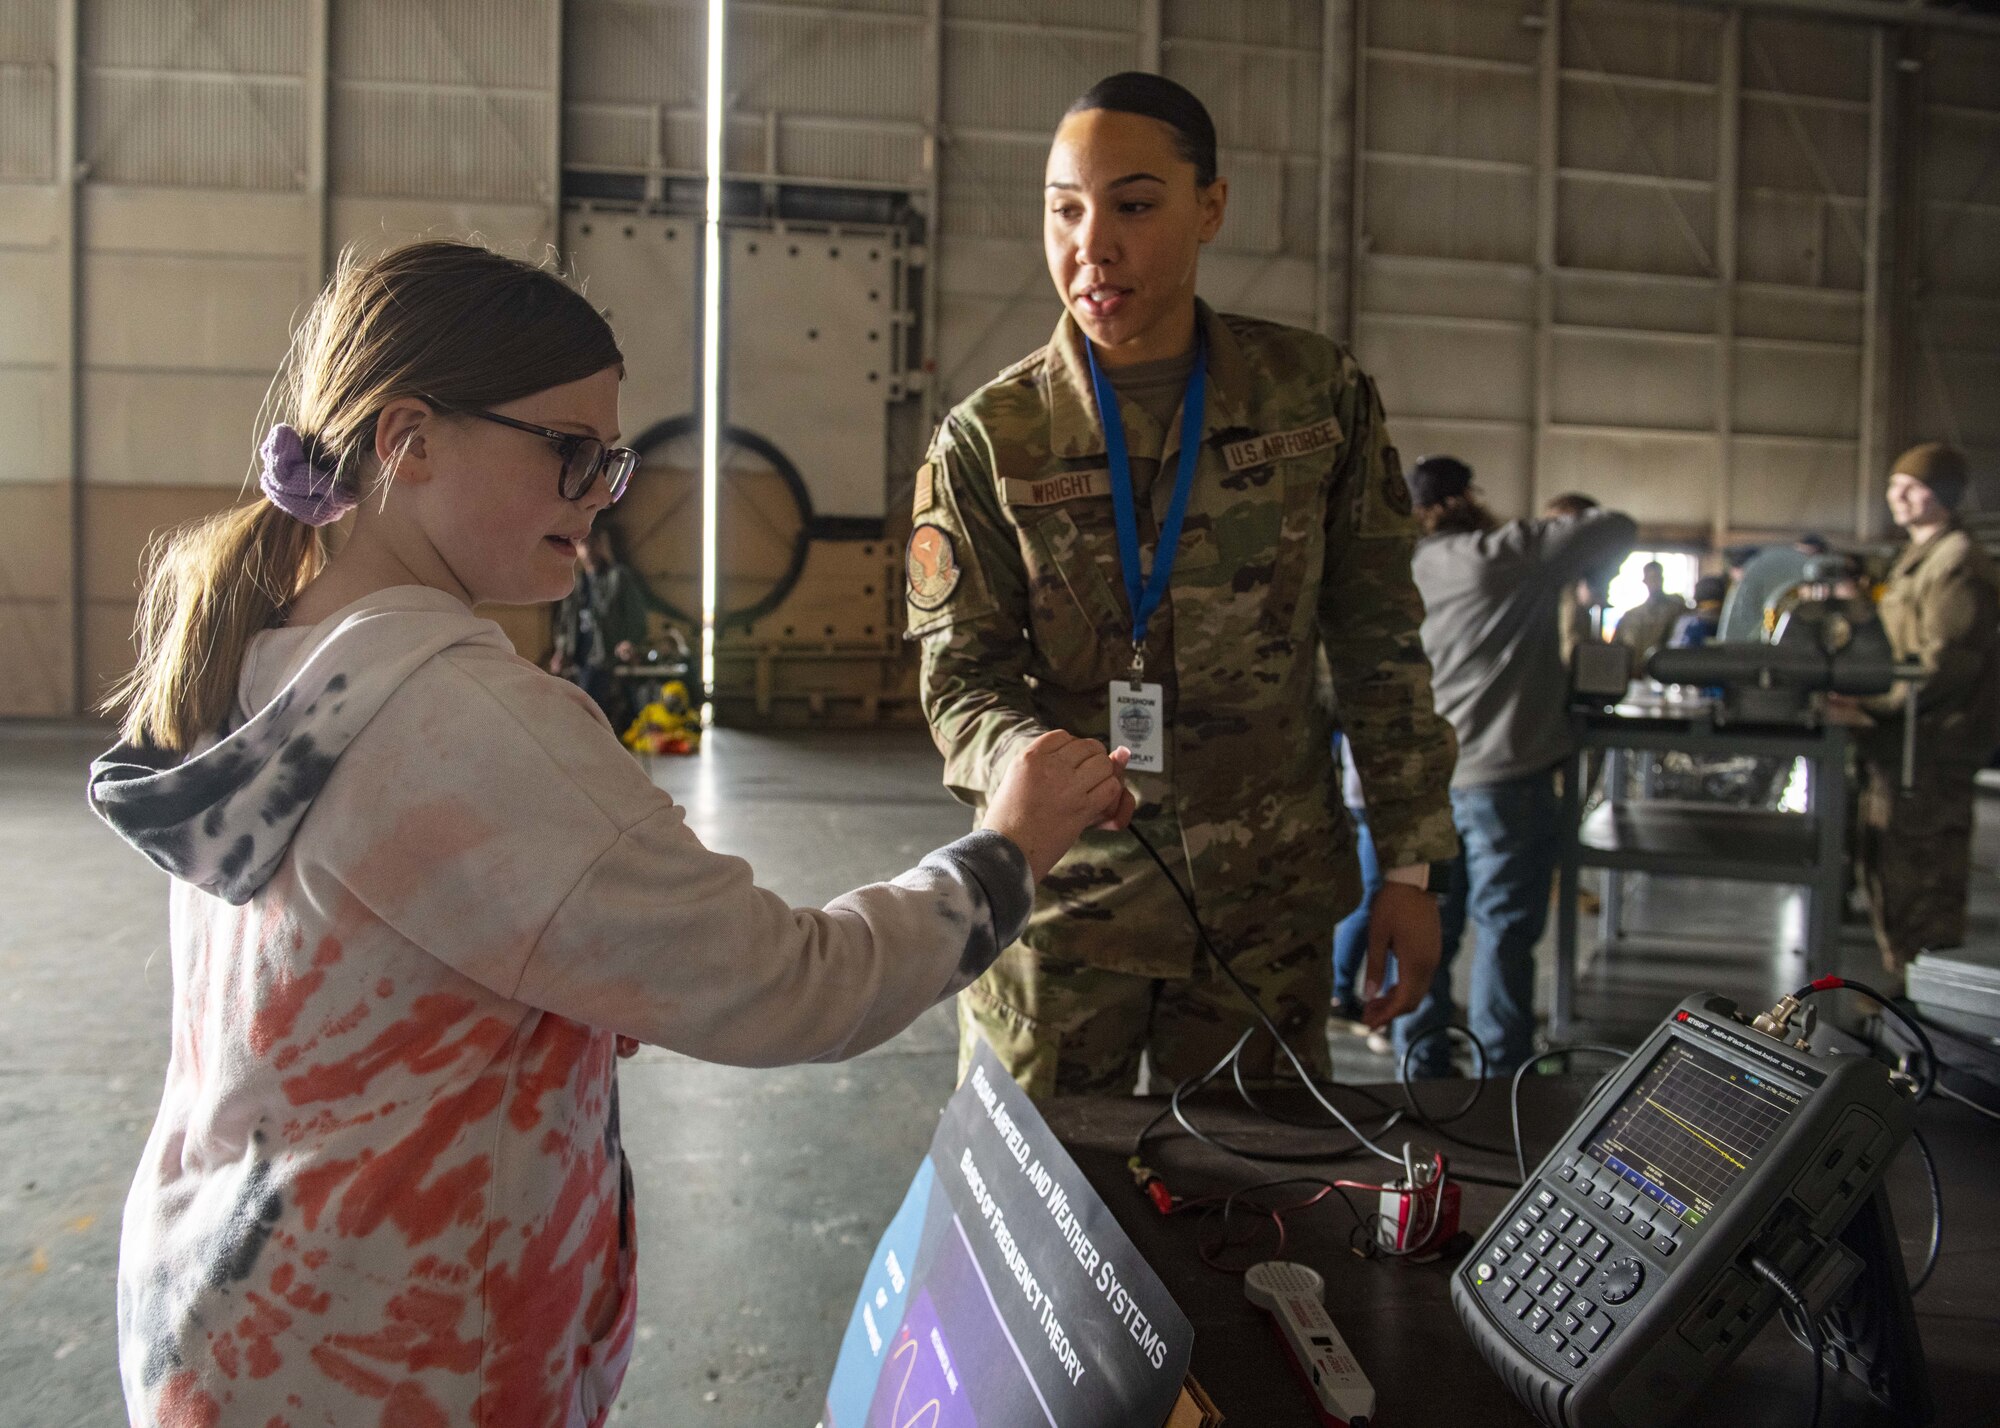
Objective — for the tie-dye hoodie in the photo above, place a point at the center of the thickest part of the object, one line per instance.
(420, 892)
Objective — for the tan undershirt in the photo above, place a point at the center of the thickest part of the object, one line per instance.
(1156, 389)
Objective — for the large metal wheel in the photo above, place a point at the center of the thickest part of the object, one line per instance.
(764, 520)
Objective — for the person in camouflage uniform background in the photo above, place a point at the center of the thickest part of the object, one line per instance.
(1292, 584)
(1941, 608)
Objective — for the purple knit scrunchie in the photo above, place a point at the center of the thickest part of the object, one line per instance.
(302, 490)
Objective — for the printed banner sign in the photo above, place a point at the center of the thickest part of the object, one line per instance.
(1003, 1293)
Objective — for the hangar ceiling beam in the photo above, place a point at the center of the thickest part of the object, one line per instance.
(1869, 457)
(1862, 12)
(1338, 19)
(318, 81)
(1728, 148)
(933, 162)
(1548, 157)
(1149, 36)
(69, 340)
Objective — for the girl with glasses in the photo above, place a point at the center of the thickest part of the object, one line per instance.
(421, 895)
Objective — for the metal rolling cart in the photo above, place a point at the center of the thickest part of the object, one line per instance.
(1700, 838)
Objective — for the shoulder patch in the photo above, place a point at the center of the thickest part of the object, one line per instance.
(1395, 490)
(931, 562)
(1048, 490)
(1302, 441)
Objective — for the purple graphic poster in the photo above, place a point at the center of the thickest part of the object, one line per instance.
(1004, 1293)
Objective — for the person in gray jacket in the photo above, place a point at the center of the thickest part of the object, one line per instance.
(1491, 595)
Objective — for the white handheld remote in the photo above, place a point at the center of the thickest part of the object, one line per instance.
(1293, 1295)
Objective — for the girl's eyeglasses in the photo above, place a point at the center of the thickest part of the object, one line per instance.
(584, 458)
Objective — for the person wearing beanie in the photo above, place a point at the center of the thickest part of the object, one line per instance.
(1492, 593)
(1941, 609)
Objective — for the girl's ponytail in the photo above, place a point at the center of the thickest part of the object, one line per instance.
(450, 322)
(209, 589)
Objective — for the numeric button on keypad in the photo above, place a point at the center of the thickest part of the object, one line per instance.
(1579, 1273)
(1538, 1319)
(1577, 1233)
(1555, 1340)
(1598, 1247)
(1563, 1220)
(1538, 1281)
(1544, 1242)
(1546, 1199)
(1521, 1227)
(1573, 1356)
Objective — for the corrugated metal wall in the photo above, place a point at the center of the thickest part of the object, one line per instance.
(35, 536)
(1011, 69)
(1626, 248)
(1597, 243)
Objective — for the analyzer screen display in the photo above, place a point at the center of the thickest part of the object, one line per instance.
(1688, 1127)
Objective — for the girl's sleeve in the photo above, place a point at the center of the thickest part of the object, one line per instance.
(491, 819)
(674, 944)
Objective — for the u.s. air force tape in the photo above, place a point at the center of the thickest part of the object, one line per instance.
(1282, 445)
(932, 564)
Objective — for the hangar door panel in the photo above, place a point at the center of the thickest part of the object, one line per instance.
(643, 274)
(810, 332)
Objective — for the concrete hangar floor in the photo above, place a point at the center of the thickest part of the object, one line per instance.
(760, 1192)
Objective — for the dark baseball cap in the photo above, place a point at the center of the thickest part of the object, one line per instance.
(1436, 479)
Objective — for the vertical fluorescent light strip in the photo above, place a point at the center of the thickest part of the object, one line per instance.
(711, 352)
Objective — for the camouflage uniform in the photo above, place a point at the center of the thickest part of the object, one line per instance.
(1941, 608)
(1296, 545)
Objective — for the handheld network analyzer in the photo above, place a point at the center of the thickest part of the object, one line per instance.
(1649, 1247)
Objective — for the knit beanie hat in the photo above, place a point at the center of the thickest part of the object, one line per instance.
(1436, 479)
(1940, 467)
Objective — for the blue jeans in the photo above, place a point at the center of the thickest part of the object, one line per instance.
(1511, 834)
(1350, 938)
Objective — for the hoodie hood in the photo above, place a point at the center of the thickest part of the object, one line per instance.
(223, 817)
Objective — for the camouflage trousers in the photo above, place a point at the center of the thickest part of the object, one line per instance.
(1063, 1027)
(1916, 857)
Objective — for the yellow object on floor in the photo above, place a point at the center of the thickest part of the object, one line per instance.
(668, 725)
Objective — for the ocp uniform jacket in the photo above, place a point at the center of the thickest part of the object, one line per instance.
(1941, 608)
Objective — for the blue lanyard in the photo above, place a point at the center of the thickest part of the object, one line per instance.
(1146, 594)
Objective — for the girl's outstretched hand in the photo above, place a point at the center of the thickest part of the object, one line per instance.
(1059, 786)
